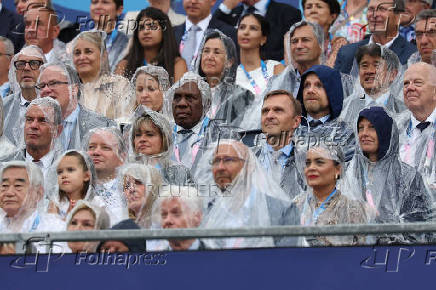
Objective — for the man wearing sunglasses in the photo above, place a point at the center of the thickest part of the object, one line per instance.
(23, 75)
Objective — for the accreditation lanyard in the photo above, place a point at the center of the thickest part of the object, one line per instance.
(256, 87)
(35, 223)
(111, 40)
(318, 211)
(195, 145)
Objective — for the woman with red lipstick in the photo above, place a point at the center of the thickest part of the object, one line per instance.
(323, 203)
(153, 43)
(393, 191)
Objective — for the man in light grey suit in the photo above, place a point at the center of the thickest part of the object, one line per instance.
(23, 74)
(60, 82)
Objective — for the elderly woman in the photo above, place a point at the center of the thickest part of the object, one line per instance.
(150, 84)
(102, 92)
(85, 216)
(323, 203)
(393, 191)
(241, 194)
(217, 62)
(152, 143)
(141, 185)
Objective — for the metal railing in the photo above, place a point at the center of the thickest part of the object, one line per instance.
(275, 231)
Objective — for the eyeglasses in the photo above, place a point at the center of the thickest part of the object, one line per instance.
(430, 34)
(227, 160)
(50, 85)
(34, 64)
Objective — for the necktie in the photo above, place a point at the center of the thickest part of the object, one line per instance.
(184, 131)
(26, 104)
(190, 45)
(421, 126)
(314, 123)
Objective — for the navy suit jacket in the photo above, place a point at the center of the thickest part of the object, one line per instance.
(214, 23)
(280, 17)
(12, 27)
(346, 54)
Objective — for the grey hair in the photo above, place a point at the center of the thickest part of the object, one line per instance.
(49, 102)
(9, 46)
(122, 148)
(36, 178)
(187, 194)
(425, 14)
(317, 30)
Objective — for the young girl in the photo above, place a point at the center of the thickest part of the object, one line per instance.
(153, 43)
(75, 181)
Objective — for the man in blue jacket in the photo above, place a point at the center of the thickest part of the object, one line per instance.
(383, 20)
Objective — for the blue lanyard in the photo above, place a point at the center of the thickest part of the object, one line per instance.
(111, 40)
(35, 223)
(252, 81)
(145, 62)
(409, 129)
(318, 211)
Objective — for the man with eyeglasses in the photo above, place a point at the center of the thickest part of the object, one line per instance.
(379, 70)
(60, 82)
(425, 37)
(246, 196)
(24, 72)
(413, 7)
(383, 21)
(6, 53)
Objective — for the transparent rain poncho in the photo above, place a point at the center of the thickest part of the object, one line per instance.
(31, 215)
(59, 201)
(419, 154)
(177, 207)
(141, 185)
(334, 130)
(337, 207)
(13, 110)
(393, 192)
(157, 73)
(172, 172)
(387, 85)
(229, 101)
(30, 51)
(51, 111)
(290, 78)
(101, 222)
(5, 144)
(108, 94)
(239, 194)
(186, 146)
(188, 77)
